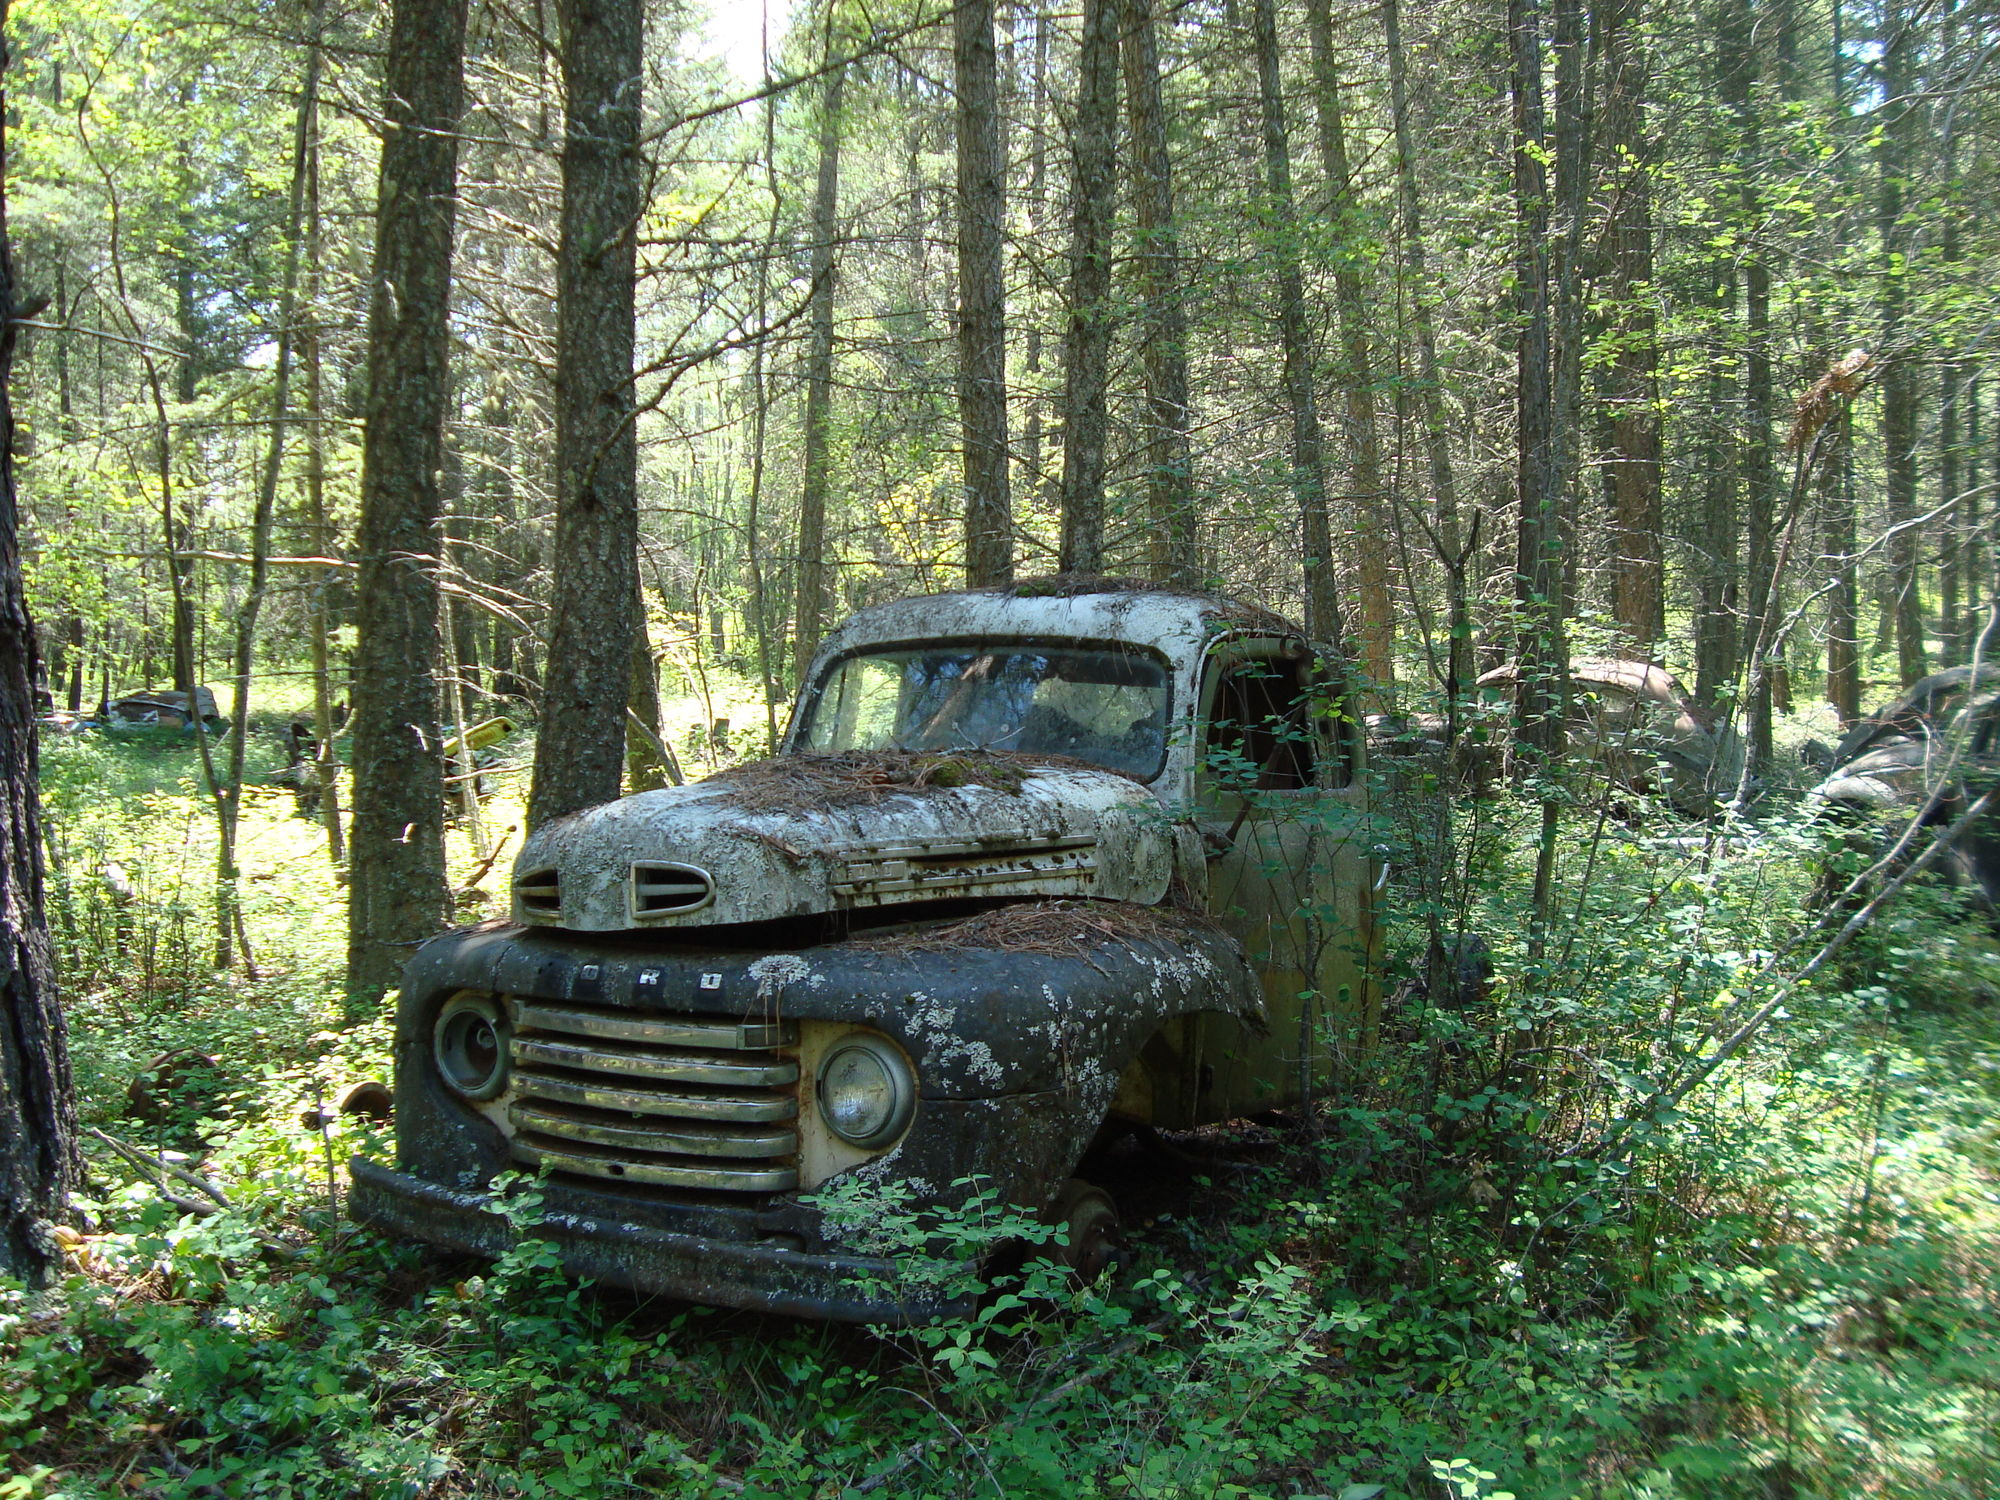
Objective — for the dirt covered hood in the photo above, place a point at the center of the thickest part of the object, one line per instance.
(802, 834)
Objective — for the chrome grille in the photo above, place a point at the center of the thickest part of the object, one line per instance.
(643, 1097)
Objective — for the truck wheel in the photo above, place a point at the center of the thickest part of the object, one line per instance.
(1096, 1237)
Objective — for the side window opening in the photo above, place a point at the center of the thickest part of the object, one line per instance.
(1268, 728)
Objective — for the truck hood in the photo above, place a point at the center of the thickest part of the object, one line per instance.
(807, 834)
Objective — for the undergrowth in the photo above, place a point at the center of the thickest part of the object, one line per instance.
(1439, 1286)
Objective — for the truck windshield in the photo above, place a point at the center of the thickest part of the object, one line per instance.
(1104, 706)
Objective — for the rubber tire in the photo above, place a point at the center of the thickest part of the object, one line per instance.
(1096, 1235)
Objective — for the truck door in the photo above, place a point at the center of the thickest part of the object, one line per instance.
(1283, 809)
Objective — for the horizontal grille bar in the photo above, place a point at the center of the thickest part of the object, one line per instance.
(666, 1031)
(651, 1062)
(680, 1172)
(685, 1137)
(638, 1099)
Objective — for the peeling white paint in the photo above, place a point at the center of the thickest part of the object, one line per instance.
(776, 970)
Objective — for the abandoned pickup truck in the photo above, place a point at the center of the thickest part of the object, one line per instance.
(1029, 858)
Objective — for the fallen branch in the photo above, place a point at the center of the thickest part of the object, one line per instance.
(162, 1168)
(213, 1200)
(491, 859)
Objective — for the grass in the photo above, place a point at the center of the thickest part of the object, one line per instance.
(1786, 1290)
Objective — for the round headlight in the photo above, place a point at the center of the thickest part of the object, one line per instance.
(866, 1091)
(470, 1046)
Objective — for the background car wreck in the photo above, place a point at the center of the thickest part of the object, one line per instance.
(1929, 754)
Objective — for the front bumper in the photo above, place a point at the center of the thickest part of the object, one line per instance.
(762, 1278)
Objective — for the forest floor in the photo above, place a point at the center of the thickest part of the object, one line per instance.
(1434, 1288)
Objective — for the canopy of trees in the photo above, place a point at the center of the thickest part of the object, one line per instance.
(1660, 328)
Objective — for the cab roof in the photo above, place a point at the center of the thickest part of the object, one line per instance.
(1170, 620)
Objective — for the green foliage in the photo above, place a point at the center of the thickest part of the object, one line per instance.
(1444, 1285)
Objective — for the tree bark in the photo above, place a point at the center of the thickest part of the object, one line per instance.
(38, 1155)
(1899, 122)
(398, 892)
(763, 628)
(1954, 375)
(580, 749)
(1375, 629)
(1035, 483)
(1322, 589)
(1537, 478)
(646, 768)
(1976, 546)
(320, 610)
(229, 793)
(982, 313)
(816, 478)
(1717, 533)
(1632, 460)
(1417, 292)
(1173, 553)
(1538, 565)
(1843, 600)
(1087, 342)
(180, 522)
(1760, 480)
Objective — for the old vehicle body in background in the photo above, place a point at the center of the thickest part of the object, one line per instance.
(1928, 754)
(1029, 858)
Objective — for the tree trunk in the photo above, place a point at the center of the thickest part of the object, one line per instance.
(1172, 525)
(815, 480)
(1322, 590)
(1538, 565)
(180, 522)
(1375, 630)
(1632, 460)
(1843, 600)
(73, 694)
(645, 767)
(1717, 531)
(1899, 122)
(1742, 85)
(594, 581)
(1036, 483)
(1537, 477)
(320, 626)
(982, 313)
(1087, 343)
(38, 1156)
(1568, 48)
(398, 892)
(1975, 549)
(1417, 291)
(229, 794)
(1954, 376)
(763, 627)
